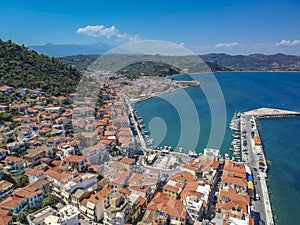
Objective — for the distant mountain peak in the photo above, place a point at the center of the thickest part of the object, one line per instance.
(61, 50)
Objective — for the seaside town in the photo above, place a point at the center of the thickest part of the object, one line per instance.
(110, 173)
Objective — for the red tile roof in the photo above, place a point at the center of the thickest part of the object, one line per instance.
(128, 161)
(98, 197)
(162, 203)
(140, 188)
(142, 201)
(33, 172)
(4, 220)
(4, 184)
(58, 176)
(12, 159)
(234, 166)
(234, 180)
(11, 202)
(171, 188)
(74, 159)
(124, 191)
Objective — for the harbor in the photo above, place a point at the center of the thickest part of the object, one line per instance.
(247, 147)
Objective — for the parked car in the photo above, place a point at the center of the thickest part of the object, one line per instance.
(257, 196)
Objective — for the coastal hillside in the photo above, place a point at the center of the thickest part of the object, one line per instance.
(145, 68)
(255, 62)
(21, 67)
(217, 62)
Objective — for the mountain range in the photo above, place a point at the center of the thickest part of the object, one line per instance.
(255, 62)
(61, 50)
(218, 62)
(85, 54)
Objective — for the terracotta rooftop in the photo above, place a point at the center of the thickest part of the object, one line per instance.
(191, 166)
(4, 212)
(234, 166)
(232, 204)
(135, 179)
(33, 172)
(11, 202)
(140, 188)
(98, 197)
(4, 220)
(190, 190)
(128, 161)
(4, 184)
(171, 188)
(234, 180)
(12, 159)
(74, 159)
(233, 197)
(183, 176)
(162, 203)
(142, 200)
(124, 191)
(58, 176)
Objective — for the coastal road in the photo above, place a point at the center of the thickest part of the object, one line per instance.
(252, 161)
(258, 207)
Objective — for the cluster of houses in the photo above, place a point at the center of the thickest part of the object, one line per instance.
(186, 196)
(147, 87)
(38, 143)
(203, 189)
(235, 194)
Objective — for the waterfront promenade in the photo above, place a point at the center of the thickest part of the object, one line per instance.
(253, 155)
(140, 139)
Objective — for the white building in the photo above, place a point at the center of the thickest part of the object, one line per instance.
(34, 193)
(34, 174)
(118, 210)
(85, 181)
(67, 215)
(67, 150)
(194, 208)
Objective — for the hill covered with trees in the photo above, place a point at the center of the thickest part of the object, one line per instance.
(21, 67)
(143, 67)
(216, 62)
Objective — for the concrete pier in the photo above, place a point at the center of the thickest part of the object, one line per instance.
(270, 113)
(253, 155)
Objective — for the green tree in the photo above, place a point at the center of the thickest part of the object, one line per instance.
(22, 216)
(50, 200)
(55, 150)
(24, 180)
(21, 67)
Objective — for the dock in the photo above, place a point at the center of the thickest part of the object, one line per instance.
(253, 155)
(139, 134)
(271, 113)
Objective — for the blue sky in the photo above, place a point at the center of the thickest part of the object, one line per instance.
(235, 27)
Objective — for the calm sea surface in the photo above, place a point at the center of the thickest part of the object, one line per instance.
(242, 91)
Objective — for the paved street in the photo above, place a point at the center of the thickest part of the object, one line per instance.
(259, 209)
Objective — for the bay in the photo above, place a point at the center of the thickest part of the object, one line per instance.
(242, 91)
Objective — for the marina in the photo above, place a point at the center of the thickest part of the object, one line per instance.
(248, 148)
(278, 178)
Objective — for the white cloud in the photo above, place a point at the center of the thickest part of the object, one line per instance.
(227, 45)
(182, 44)
(288, 43)
(108, 32)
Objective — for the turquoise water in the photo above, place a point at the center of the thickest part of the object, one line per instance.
(243, 92)
(281, 144)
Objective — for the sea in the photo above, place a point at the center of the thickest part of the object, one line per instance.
(241, 92)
